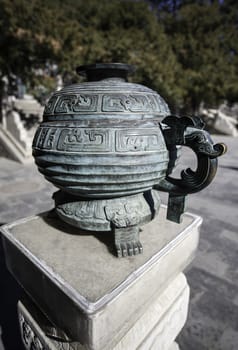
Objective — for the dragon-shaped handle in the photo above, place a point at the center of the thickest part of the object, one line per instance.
(188, 131)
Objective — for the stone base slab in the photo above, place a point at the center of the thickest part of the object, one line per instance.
(155, 329)
(75, 280)
(174, 346)
(162, 321)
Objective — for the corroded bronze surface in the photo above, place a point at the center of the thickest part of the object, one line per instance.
(107, 143)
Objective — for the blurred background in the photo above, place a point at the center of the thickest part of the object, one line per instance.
(185, 50)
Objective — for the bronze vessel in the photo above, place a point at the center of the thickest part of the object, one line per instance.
(109, 146)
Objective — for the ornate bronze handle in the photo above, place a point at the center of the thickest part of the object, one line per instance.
(188, 131)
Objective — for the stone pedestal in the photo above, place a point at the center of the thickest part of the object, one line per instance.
(86, 298)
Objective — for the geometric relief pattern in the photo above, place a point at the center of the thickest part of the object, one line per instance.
(163, 107)
(34, 143)
(33, 339)
(123, 214)
(49, 108)
(76, 103)
(130, 103)
(108, 102)
(30, 338)
(99, 140)
(44, 138)
(138, 140)
(85, 140)
(50, 138)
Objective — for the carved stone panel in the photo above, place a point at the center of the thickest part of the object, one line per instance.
(34, 337)
(30, 339)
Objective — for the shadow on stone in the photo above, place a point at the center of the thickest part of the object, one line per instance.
(229, 167)
(105, 237)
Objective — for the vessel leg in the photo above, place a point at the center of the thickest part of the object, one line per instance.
(176, 207)
(127, 241)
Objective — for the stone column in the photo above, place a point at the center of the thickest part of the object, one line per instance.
(80, 296)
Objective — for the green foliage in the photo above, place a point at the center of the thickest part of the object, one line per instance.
(203, 35)
(185, 50)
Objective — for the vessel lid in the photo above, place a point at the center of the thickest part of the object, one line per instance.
(100, 71)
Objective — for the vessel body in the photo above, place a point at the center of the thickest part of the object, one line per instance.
(103, 139)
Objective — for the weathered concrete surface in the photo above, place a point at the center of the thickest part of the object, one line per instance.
(102, 297)
(155, 329)
(213, 276)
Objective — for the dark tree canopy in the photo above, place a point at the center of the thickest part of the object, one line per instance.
(186, 50)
